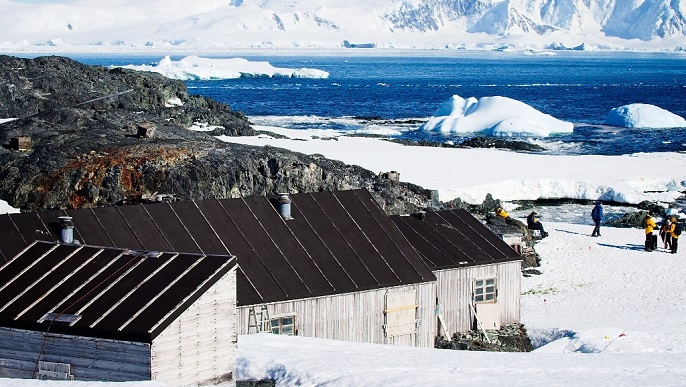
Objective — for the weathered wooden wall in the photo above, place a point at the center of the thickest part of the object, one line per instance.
(91, 359)
(200, 346)
(454, 289)
(355, 317)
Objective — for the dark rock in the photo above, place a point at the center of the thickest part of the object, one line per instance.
(86, 151)
(490, 142)
(509, 338)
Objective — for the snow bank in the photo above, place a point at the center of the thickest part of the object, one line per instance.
(5, 208)
(641, 115)
(470, 174)
(494, 116)
(194, 67)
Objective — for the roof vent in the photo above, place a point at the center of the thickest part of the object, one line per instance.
(66, 229)
(283, 205)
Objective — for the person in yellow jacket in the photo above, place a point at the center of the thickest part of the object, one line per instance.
(673, 233)
(649, 226)
(501, 213)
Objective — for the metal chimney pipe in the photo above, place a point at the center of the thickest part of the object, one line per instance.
(66, 229)
(283, 205)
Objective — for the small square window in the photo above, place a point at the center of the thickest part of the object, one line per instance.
(485, 290)
(283, 325)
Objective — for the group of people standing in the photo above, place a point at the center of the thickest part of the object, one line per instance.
(669, 231)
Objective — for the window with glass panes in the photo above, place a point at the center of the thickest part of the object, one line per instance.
(284, 325)
(484, 290)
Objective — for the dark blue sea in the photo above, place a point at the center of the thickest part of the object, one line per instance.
(377, 93)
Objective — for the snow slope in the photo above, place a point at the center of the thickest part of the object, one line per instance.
(216, 25)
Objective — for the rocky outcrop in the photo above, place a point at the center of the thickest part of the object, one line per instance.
(509, 338)
(103, 136)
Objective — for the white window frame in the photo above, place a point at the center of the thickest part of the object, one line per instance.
(279, 328)
(485, 290)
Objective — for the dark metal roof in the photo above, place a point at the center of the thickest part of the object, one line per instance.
(454, 238)
(337, 242)
(103, 292)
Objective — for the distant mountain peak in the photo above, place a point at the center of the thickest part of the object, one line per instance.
(395, 23)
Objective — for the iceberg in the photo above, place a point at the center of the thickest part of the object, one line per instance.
(494, 116)
(641, 115)
(197, 68)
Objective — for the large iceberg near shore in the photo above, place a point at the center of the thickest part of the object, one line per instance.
(641, 115)
(493, 116)
(194, 68)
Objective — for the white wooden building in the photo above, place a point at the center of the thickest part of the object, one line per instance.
(328, 264)
(88, 313)
(478, 275)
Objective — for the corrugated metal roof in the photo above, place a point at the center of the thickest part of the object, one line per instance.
(337, 242)
(454, 238)
(103, 292)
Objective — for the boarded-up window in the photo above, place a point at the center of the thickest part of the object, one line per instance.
(401, 312)
(48, 370)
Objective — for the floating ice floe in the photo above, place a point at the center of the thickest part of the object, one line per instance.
(195, 68)
(494, 116)
(641, 115)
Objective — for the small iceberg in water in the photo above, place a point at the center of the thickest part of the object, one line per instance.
(641, 115)
(197, 68)
(494, 116)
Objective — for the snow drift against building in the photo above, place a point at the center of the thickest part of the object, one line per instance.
(494, 116)
(640, 115)
(194, 67)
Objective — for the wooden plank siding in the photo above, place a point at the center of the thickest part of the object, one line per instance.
(355, 317)
(200, 345)
(91, 359)
(454, 289)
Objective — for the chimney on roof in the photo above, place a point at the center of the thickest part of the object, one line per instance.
(283, 205)
(66, 229)
(420, 215)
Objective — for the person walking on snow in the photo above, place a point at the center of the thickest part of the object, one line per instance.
(648, 226)
(532, 223)
(597, 216)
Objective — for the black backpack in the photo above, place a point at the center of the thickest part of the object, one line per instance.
(677, 229)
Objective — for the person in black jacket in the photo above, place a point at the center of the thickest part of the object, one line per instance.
(532, 223)
(597, 216)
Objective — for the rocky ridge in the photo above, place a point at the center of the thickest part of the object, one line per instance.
(86, 148)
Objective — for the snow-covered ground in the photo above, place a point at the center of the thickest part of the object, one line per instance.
(470, 174)
(603, 311)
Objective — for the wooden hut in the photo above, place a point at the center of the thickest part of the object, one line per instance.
(478, 275)
(102, 314)
(308, 273)
(327, 264)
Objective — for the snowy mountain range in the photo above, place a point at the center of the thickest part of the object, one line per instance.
(609, 24)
